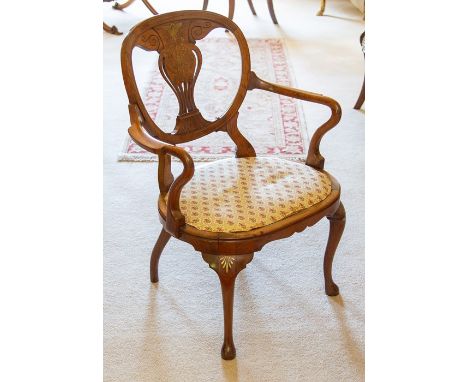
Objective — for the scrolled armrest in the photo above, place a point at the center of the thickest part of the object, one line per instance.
(314, 158)
(167, 185)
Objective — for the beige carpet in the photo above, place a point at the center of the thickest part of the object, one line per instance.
(286, 328)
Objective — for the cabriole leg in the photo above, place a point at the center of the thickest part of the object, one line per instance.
(156, 254)
(337, 224)
(227, 268)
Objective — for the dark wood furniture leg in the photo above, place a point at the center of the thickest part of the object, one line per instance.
(272, 11)
(156, 254)
(361, 97)
(232, 5)
(150, 7)
(205, 5)
(110, 29)
(227, 268)
(252, 7)
(337, 224)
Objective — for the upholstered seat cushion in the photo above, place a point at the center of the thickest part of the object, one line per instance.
(241, 194)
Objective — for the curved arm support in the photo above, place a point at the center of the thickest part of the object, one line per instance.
(314, 158)
(167, 185)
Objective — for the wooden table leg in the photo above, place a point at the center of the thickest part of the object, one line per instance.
(322, 8)
(110, 29)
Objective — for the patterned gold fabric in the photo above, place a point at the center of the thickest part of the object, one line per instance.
(233, 195)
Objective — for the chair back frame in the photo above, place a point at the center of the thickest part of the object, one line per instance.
(174, 36)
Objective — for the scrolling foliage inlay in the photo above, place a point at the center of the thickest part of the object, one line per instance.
(180, 62)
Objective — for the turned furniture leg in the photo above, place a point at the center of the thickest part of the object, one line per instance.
(252, 7)
(272, 11)
(110, 29)
(122, 6)
(361, 97)
(205, 5)
(156, 254)
(337, 224)
(322, 8)
(227, 268)
(150, 7)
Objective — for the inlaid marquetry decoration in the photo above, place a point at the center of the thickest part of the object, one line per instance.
(179, 63)
(227, 262)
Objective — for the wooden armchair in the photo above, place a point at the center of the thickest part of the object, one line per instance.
(227, 209)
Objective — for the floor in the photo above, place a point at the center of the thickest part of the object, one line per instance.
(286, 328)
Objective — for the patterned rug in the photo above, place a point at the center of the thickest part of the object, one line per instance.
(273, 124)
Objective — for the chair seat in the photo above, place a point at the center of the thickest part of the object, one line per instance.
(241, 194)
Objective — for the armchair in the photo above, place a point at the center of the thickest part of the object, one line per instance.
(227, 209)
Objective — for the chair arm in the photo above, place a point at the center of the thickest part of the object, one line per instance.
(167, 185)
(314, 158)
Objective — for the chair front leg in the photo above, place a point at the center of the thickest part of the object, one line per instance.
(227, 268)
(205, 5)
(337, 224)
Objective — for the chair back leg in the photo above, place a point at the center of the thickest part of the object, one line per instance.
(156, 254)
